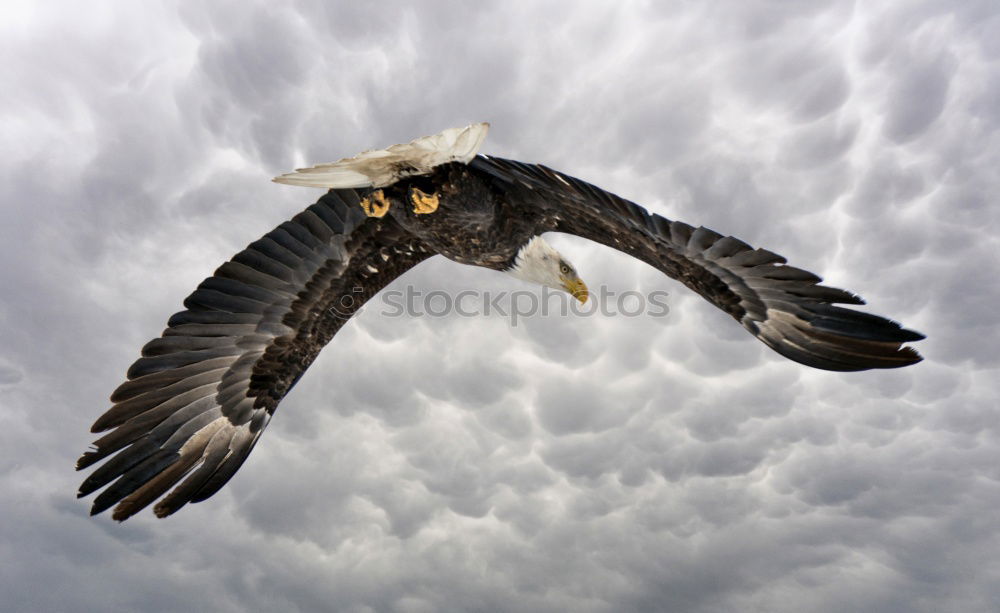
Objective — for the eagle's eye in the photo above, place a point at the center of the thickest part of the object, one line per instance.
(564, 269)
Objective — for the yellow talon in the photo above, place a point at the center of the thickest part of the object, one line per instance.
(423, 203)
(375, 204)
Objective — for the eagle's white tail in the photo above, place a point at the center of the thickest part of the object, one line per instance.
(386, 166)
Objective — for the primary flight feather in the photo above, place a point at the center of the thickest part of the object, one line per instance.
(200, 396)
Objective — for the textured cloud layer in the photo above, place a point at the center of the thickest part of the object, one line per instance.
(591, 464)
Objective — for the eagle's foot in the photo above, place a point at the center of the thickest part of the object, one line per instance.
(375, 204)
(423, 203)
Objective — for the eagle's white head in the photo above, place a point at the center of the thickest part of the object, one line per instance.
(538, 262)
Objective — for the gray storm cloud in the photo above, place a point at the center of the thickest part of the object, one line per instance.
(590, 464)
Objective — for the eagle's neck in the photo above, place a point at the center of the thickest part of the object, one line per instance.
(534, 261)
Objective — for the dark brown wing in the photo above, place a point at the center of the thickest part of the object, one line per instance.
(783, 306)
(199, 398)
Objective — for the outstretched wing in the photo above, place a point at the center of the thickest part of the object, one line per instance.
(783, 306)
(200, 396)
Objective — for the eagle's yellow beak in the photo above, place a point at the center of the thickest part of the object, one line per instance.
(577, 288)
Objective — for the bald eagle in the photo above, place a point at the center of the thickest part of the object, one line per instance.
(198, 399)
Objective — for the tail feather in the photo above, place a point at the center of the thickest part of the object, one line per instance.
(386, 166)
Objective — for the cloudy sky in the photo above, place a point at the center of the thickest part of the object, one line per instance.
(586, 464)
